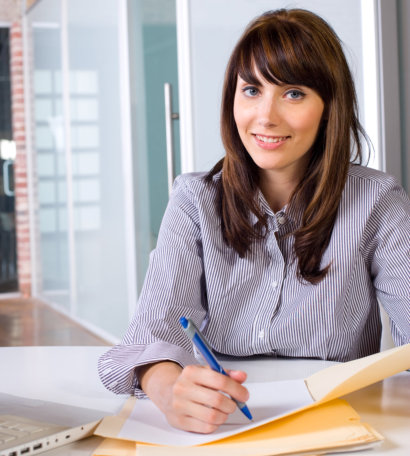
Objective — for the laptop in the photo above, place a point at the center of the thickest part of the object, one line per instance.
(31, 426)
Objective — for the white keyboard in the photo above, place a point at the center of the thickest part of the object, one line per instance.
(14, 428)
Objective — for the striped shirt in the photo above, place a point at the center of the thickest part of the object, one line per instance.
(256, 304)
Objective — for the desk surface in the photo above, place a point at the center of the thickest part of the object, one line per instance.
(69, 375)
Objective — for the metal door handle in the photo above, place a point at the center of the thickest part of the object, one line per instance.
(169, 117)
(6, 181)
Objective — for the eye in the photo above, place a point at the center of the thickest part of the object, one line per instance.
(250, 91)
(295, 94)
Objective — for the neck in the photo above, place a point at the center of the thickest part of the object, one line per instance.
(277, 188)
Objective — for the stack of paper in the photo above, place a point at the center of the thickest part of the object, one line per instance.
(331, 426)
(291, 416)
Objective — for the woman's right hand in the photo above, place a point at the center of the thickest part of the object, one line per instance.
(193, 398)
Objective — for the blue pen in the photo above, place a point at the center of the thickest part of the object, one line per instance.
(206, 351)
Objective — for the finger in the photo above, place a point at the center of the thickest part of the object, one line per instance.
(185, 390)
(216, 381)
(199, 411)
(191, 424)
(238, 376)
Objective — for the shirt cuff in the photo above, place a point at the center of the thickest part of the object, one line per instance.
(117, 367)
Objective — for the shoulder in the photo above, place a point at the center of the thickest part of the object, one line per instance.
(372, 179)
(374, 200)
(370, 185)
(372, 194)
(195, 185)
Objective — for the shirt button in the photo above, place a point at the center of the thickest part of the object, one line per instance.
(261, 334)
(281, 220)
(274, 284)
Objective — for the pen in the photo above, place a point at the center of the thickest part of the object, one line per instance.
(206, 351)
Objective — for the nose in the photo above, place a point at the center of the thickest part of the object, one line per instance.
(268, 112)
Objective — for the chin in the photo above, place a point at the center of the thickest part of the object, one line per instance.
(261, 164)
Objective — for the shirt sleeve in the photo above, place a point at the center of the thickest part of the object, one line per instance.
(388, 249)
(173, 287)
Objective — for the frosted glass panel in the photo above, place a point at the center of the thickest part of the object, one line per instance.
(86, 163)
(46, 192)
(46, 165)
(52, 263)
(43, 78)
(79, 183)
(97, 173)
(44, 109)
(86, 81)
(83, 109)
(86, 191)
(44, 137)
(85, 136)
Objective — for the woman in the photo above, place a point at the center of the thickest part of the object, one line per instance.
(285, 247)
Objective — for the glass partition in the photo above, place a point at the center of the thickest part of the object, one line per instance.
(53, 278)
(80, 179)
(97, 171)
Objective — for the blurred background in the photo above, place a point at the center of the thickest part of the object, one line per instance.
(104, 102)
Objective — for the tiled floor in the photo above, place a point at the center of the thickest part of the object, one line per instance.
(31, 322)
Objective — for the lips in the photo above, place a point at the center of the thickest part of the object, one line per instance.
(269, 142)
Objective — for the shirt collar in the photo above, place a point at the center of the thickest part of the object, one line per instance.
(292, 213)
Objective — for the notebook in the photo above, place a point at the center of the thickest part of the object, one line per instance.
(31, 426)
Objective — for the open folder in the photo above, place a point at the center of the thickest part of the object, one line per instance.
(332, 426)
(269, 401)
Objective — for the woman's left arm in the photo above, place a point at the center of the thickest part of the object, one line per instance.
(388, 232)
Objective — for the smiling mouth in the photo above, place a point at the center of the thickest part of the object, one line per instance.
(271, 139)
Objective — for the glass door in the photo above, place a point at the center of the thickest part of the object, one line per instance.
(8, 260)
(153, 66)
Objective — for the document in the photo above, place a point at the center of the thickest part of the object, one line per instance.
(328, 427)
(269, 401)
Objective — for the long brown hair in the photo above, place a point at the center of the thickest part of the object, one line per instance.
(291, 47)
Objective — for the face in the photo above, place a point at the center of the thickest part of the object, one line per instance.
(277, 124)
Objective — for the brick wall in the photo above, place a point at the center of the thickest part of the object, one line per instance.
(20, 166)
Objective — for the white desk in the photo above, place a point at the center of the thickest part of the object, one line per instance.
(69, 375)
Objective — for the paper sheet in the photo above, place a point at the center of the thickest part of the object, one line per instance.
(268, 401)
(331, 426)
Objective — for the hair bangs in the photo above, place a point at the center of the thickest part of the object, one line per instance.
(281, 54)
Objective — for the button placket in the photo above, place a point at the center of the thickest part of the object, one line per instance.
(271, 296)
(277, 265)
(281, 218)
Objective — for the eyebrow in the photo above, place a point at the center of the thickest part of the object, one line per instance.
(259, 83)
